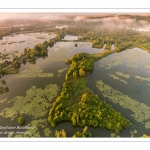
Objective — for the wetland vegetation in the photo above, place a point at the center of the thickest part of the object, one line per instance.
(78, 134)
(79, 104)
(73, 100)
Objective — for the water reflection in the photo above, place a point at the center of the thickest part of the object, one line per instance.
(55, 64)
(15, 44)
(125, 66)
(71, 37)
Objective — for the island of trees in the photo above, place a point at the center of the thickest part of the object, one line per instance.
(78, 104)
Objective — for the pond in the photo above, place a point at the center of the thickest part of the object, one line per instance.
(33, 90)
(15, 44)
(121, 79)
(71, 37)
(60, 27)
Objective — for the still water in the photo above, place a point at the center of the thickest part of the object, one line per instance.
(15, 44)
(126, 72)
(47, 71)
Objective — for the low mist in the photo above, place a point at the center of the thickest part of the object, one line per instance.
(105, 20)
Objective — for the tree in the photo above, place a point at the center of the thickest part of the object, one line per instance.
(44, 52)
(3, 82)
(52, 124)
(67, 77)
(32, 56)
(7, 89)
(77, 134)
(25, 50)
(67, 61)
(85, 129)
(75, 44)
(28, 56)
(38, 48)
(96, 96)
(16, 64)
(21, 120)
(84, 97)
(84, 133)
(83, 122)
(81, 72)
(61, 133)
(145, 136)
(24, 61)
(75, 74)
(15, 58)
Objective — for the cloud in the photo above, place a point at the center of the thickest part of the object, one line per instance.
(79, 18)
